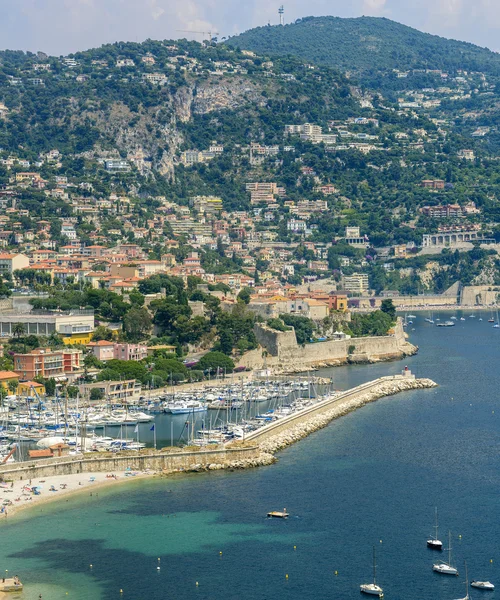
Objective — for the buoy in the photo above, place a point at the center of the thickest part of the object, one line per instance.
(295, 547)
(220, 553)
(157, 568)
(121, 591)
(197, 584)
(159, 559)
(336, 573)
(460, 536)
(91, 566)
(286, 576)
(491, 560)
(380, 541)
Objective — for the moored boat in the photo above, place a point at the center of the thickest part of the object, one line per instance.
(482, 585)
(372, 589)
(434, 543)
(446, 568)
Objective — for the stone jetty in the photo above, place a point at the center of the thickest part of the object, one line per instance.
(338, 408)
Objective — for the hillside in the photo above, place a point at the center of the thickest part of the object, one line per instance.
(366, 43)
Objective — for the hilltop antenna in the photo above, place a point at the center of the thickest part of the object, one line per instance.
(281, 12)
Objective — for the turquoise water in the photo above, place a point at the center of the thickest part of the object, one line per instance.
(370, 478)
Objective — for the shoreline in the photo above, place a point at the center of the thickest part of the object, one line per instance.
(267, 441)
(73, 489)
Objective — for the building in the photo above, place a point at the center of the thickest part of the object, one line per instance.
(8, 377)
(12, 262)
(433, 184)
(75, 326)
(207, 204)
(44, 362)
(117, 166)
(446, 211)
(113, 390)
(339, 302)
(102, 350)
(357, 283)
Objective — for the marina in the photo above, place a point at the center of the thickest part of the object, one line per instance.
(414, 452)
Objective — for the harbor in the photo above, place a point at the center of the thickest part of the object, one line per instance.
(380, 472)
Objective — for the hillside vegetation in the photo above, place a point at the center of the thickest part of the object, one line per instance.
(366, 43)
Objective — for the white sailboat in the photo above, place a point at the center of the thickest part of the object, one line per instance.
(466, 597)
(446, 568)
(372, 589)
(430, 319)
(434, 543)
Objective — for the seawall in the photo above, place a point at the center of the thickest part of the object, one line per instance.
(281, 352)
(257, 449)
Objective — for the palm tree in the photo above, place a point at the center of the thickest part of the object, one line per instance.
(18, 330)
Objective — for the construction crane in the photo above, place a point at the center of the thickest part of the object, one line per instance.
(210, 34)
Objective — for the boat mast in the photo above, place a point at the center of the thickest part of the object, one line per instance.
(436, 525)
(449, 548)
(374, 567)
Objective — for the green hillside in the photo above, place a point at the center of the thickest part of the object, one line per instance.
(365, 43)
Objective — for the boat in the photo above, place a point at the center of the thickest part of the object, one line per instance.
(462, 318)
(434, 543)
(278, 514)
(446, 324)
(372, 589)
(446, 568)
(412, 316)
(453, 318)
(466, 597)
(482, 585)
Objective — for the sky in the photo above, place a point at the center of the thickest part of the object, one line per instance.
(59, 27)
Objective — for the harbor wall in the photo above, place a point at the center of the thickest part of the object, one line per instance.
(280, 350)
(165, 461)
(384, 386)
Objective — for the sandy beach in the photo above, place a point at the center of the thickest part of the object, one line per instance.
(50, 489)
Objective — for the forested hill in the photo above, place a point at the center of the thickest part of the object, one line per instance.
(367, 43)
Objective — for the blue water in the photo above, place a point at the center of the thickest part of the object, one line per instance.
(370, 478)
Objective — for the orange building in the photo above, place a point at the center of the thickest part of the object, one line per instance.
(44, 362)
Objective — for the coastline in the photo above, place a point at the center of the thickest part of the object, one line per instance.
(266, 441)
(72, 489)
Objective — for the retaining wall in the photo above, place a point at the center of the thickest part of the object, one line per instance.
(152, 460)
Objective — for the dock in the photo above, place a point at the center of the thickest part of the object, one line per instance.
(278, 514)
(11, 584)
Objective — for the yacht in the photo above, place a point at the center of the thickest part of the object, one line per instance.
(182, 407)
(482, 585)
(466, 597)
(372, 589)
(446, 568)
(434, 543)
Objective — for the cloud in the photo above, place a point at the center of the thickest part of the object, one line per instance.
(374, 7)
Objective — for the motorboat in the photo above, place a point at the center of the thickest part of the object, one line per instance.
(446, 324)
(482, 585)
(446, 568)
(434, 543)
(462, 318)
(372, 589)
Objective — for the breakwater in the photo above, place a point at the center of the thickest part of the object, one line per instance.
(257, 449)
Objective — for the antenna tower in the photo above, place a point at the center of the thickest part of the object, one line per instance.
(281, 11)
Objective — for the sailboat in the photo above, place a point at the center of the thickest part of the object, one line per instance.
(446, 568)
(497, 324)
(466, 597)
(430, 319)
(372, 589)
(433, 542)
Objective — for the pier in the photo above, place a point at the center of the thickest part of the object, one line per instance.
(257, 449)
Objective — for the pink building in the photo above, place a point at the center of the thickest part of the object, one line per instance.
(104, 351)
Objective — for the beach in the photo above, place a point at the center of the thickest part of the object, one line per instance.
(58, 487)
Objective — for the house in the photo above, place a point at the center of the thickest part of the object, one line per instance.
(102, 350)
(13, 262)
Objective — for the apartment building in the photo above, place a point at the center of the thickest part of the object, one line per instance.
(44, 362)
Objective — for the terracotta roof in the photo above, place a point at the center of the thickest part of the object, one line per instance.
(8, 375)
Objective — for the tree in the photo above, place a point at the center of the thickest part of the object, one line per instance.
(102, 333)
(388, 308)
(137, 323)
(13, 386)
(213, 362)
(96, 394)
(245, 295)
(18, 330)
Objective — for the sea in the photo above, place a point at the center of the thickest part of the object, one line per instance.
(371, 479)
